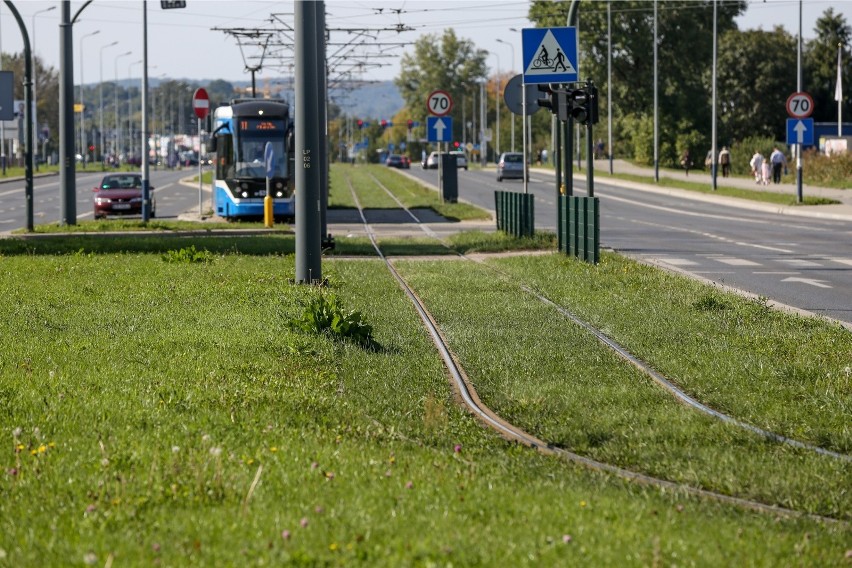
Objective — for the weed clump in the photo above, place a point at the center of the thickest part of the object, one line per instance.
(323, 313)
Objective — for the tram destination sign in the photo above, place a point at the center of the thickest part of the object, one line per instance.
(169, 4)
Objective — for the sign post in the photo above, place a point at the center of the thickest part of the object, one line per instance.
(269, 162)
(800, 129)
(201, 106)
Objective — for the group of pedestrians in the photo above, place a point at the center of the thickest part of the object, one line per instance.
(762, 169)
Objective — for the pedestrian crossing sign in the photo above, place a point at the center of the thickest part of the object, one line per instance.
(550, 55)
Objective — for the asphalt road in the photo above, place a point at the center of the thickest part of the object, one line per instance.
(172, 197)
(802, 262)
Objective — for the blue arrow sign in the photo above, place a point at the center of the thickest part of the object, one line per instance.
(550, 55)
(269, 159)
(800, 131)
(439, 128)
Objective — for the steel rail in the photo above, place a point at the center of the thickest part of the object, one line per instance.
(469, 396)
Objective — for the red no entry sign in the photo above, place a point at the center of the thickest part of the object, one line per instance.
(200, 103)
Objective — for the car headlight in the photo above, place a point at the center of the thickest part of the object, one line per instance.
(102, 200)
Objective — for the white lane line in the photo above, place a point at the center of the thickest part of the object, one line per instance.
(809, 281)
(801, 262)
(731, 261)
(678, 261)
(714, 237)
(847, 261)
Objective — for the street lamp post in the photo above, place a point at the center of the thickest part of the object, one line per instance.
(101, 107)
(129, 110)
(497, 108)
(116, 110)
(513, 70)
(83, 149)
(35, 79)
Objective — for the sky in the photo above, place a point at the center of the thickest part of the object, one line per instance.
(199, 42)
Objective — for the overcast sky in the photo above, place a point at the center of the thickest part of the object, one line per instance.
(182, 43)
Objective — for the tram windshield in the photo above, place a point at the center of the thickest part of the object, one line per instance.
(252, 136)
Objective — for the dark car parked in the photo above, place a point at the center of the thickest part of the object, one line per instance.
(121, 194)
(395, 161)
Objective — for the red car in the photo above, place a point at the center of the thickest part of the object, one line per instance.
(121, 194)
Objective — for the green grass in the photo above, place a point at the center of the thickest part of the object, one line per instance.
(157, 225)
(753, 195)
(557, 381)
(167, 413)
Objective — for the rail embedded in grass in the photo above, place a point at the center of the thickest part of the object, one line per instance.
(559, 383)
(156, 391)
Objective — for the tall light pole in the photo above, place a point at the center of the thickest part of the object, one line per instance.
(116, 134)
(497, 108)
(83, 148)
(129, 110)
(513, 70)
(35, 77)
(101, 107)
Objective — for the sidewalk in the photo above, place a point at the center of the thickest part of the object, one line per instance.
(842, 211)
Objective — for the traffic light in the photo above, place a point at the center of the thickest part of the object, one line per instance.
(547, 100)
(360, 124)
(410, 124)
(584, 105)
(456, 145)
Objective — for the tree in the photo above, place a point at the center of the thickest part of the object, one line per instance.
(46, 91)
(685, 43)
(756, 74)
(447, 63)
(820, 63)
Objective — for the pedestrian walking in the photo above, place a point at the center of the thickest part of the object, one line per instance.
(756, 164)
(686, 161)
(725, 161)
(778, 161)
(766, 171)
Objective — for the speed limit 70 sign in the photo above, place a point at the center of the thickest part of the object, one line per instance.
(439, 103)
(800, 105)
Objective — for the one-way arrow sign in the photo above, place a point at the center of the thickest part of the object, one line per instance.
(800, 131)
(439, 128)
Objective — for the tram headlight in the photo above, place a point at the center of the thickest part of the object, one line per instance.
(279, 194)
(244, 194)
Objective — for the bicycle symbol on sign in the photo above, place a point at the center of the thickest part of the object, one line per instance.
(543, 60)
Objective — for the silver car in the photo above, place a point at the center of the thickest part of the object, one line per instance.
(510, 166)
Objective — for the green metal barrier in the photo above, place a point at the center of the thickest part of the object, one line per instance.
(579, 230)
(515, 213)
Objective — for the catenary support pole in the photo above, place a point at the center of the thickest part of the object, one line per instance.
(308, 251)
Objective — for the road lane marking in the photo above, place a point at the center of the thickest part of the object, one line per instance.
(809, 281)
(678, 261)
(714, 237)
(731, 261)
(801, 262)
(842, 260)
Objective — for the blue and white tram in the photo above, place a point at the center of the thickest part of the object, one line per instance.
(241, 131)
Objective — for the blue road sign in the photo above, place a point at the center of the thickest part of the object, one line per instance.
(800, 131)
(439, 128)
(550, 55)
(269, 159)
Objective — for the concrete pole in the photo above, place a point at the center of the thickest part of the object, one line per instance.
(67, 163)
(713, 113)
(798, 147)
(307, 163)
(322, 90)
(146, 186)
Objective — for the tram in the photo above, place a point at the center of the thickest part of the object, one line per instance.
(241, 130)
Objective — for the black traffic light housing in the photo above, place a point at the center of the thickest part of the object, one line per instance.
(547, 100)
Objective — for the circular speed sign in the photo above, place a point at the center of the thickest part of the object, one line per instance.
(800, 105)
(439, 103)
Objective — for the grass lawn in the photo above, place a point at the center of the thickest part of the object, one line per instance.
(160, 409)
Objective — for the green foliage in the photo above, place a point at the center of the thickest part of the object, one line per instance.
(323, 313)
(832, 171)
(188, 255)
(743, 150)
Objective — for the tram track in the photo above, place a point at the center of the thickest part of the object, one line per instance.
(469, 397)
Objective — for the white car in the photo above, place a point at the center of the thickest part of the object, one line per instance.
(432, 160)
